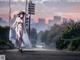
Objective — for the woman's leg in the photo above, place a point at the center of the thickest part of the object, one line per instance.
(20, 38)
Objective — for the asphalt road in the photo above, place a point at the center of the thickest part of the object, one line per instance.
(41, 55)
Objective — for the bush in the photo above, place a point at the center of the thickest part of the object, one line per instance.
(70, 38)
(4, 38)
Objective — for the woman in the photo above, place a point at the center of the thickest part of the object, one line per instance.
(22, 39)
(19, 29)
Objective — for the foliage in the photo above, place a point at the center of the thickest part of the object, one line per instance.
(50, 37)
(64, 36)
(6, 44)
(70, 38)
(4, 33)
(4, 38)
(33, 36)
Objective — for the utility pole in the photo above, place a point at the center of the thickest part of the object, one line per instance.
(31, 11)
(26, 6)
(27, 18)
(9, 11)
(29, 26)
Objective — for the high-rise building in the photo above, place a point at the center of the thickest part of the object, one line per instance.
(41, 25)
(51, 22)
(33, 23)
(64, 20)
(41, 21)
(57, 19)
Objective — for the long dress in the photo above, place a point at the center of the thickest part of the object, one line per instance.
(18, 34)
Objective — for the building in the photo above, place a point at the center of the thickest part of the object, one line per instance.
(51, 22)
(57, 19)
(41, 21)
(64, 21)
(41, 25)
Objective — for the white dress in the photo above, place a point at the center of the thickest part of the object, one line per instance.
(16, 31)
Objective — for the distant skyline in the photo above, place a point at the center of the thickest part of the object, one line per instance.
(44, 8)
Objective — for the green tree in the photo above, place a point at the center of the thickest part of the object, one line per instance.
(70, 37)
(4, 38)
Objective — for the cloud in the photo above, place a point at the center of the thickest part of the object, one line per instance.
(62, 6)
(4, 7)
(45, 7)
(3, 3)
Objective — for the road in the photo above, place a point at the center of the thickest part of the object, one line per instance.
(40, 55)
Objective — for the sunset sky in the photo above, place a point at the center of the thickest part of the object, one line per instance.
(44, 8)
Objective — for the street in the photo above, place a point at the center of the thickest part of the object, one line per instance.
(40, 55)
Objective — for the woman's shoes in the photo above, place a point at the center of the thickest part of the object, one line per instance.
(20, 49)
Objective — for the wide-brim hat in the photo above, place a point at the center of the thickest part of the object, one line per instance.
(17, 12)
(22, 12)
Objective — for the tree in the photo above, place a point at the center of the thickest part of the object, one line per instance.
(70, 37)
(33, 36)
(5, 43)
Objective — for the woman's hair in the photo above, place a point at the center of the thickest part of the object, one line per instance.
(22, 12)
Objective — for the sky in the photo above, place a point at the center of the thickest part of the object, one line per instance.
(44, 8)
